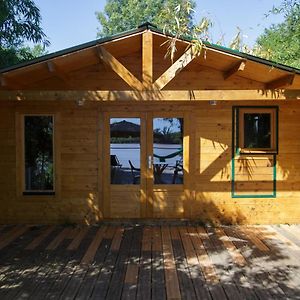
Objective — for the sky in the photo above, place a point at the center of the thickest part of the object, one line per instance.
(69, 23)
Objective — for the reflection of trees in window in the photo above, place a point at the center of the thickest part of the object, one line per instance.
(257, 130)
(171, 134)
(124, 132)
(38, 153)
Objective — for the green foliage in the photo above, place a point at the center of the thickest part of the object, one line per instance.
(20, 21)
(39, 152)
(11, 56)
(173, 16)
(122, 15)
(124, 140)
(281, 42)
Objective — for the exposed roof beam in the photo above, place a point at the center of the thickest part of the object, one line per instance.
(119, 68)
(280, 82)
(6, 83)
(57, 72)
(147, 59)
(175, 68)
(235, 69)
(166, 95)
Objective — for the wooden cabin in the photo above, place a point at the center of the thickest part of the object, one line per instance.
(112, 129)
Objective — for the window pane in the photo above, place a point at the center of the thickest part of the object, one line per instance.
(257, 130)
(38, 153)
(125, 150)
(168, 150)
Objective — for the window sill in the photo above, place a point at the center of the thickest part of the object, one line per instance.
(257, 152)
(38, 193)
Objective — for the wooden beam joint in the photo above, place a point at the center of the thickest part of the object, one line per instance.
(235, 69)
(119, 68)
(281, 82)
(187, 57)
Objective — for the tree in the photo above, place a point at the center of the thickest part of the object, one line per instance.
(122, 15)
(173, 16)
(282, 41)
(20, 21)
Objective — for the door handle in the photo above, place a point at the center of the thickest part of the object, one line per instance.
(150, 162)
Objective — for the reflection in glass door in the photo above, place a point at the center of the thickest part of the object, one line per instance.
(168, 150)
(125, 150)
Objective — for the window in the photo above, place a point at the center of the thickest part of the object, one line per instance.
(257, 130)
(38, 155)
(125, 150)
(168, 150)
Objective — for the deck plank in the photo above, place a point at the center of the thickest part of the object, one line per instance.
(103, 280)
(286, 274)
(92, 249)
(186, 286)
(157, 264)
(12, 235)
(288, 234)
(172, 283)
(37, 241)
(77, 239)
(133, 264)
(58, 239)
(218, 256)
(87, 285)
(117, 279)
(267, 288)
(33, 266)
(198, 280)
(144, 278)
(66, 269)
(150, 262)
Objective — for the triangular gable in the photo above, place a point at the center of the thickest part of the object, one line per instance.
(135, 60)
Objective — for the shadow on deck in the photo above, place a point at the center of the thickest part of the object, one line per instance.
(150, 262)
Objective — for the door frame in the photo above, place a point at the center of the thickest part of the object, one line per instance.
(147, 186)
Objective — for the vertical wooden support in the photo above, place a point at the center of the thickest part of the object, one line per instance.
(186, 166)
(147, 60)
(144, 166)
(149, 172)
(100, 156)
(106, 167)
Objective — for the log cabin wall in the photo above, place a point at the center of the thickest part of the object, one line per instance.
(83, 88)
(208, 198)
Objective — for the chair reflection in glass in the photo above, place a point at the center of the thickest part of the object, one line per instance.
(178, 169)
(115, 165)
(135, 172)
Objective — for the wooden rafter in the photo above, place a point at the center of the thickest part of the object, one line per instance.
(199, 95)
(57, 72)
(281, 82)
(175, 68)
(235, 69)
(8, 83)
(147, 59)
(119, 68)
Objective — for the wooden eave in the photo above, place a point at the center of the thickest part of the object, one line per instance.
(111, 56)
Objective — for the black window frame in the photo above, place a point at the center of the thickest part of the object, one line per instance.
(273, 111)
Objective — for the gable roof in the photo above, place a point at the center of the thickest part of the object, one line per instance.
(141, 28)
(83, 67)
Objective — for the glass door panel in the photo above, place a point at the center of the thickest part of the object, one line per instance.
(168, 150)
(125, 150)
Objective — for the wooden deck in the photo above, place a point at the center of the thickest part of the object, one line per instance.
(150, 262)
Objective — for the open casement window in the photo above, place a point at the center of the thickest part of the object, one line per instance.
(257, 130)
(38, 162)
